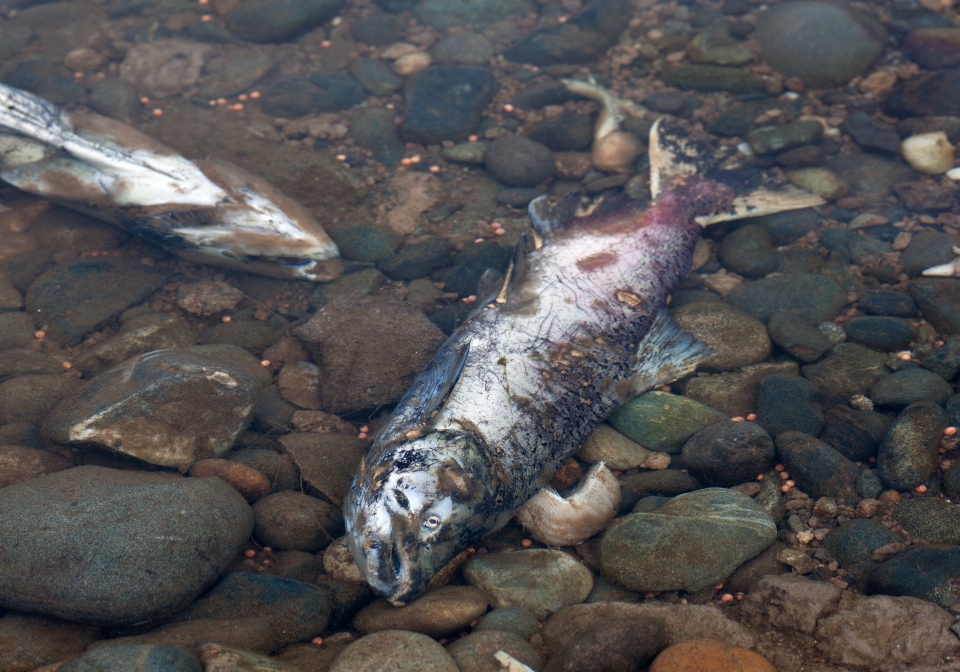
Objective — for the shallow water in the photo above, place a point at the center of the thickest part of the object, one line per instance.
(415, 134)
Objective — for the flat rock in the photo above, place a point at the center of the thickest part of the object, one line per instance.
(169, 408)
(540, 580)
(369, 350)
(871, 632)
(849, 369)
(327, 462)
(137, 336)
(438, 613)
(670, 549)
(63, 532)
(77, 298)
(925, 572)
(251, 633)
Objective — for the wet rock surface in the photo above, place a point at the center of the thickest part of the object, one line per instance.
(168, 408)
(177, 537)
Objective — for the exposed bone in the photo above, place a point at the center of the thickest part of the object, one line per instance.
(556, 521)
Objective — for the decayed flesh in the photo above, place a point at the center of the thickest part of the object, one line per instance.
(578, 326)
(206, 210)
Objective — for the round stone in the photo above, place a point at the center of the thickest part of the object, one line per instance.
(823, 44)
(737, 338)
(518, 161)
(397, 650)
(437, 613)
(728, 453)
(292, 521)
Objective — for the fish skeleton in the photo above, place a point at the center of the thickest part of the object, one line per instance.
(206, 210)
(578, 326)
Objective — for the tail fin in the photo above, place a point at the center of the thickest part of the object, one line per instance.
(674, 156)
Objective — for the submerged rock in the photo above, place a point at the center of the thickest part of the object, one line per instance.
(95, 545)
(169, 407)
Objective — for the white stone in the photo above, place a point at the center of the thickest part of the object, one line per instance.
(929, 153)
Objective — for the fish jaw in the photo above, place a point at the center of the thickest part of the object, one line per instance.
(414, 507)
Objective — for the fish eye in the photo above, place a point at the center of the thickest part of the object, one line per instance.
(431, 522)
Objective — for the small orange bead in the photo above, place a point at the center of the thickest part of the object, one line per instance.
(254, 95)
(508, 108)
(157, 112)
(264, 362)
(144, 100)
(226, 318)
(921, 489)
(434, 169)
(206, 17)
(751, 417)
(736, 418)
(317, 641)
(526, 543)
(473, 138)
(39, 334)
(950, 431)
(249, 553)
(325, 44)
(67, 366)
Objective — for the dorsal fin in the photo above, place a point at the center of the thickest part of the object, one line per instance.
(674, 156)
(518, 266)
(428, 392)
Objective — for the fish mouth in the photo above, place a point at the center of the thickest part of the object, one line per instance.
(397, 576)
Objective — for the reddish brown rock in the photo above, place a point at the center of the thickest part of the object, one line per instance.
(246, 480)
(299, 383)
(19, 463)
(709, 655)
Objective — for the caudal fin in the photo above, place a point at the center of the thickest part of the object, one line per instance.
(674, 157)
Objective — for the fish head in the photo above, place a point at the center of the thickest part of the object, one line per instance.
(417, 505)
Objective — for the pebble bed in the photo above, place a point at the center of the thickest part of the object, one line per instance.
(790, 506)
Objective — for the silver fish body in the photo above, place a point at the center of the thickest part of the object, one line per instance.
(205, 210)
(578, 327)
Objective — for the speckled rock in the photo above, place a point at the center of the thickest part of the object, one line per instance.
(661, 421)
(396, 649)
(737, 338)
(64, 530)
(908, 454)
(389, 343)
(728, 453)
(169, 408)
(933, 520)
(668, 549)
(540, 580)
(853, 545)
(295, 611)
(818, 469)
